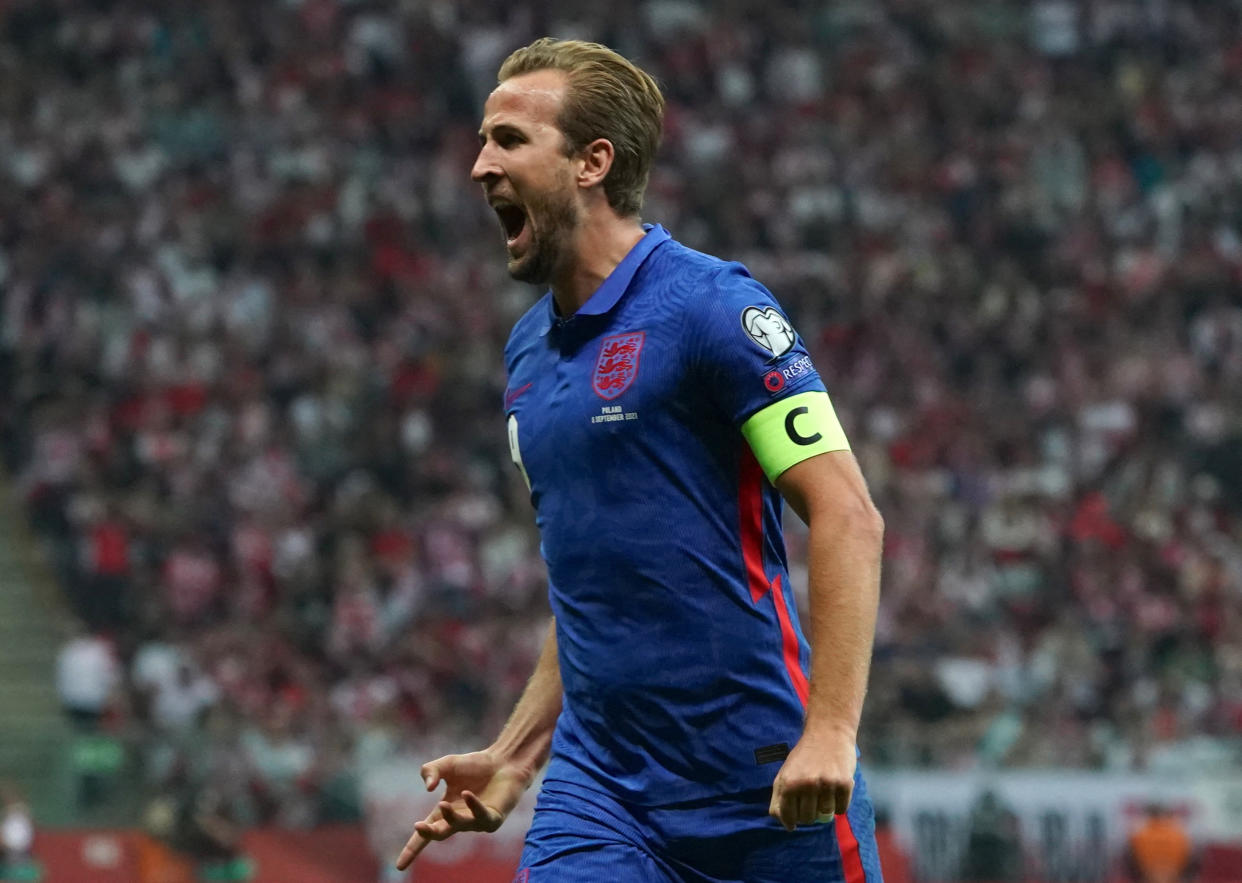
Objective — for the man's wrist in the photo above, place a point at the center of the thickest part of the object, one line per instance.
(522, 763)
(824, 729)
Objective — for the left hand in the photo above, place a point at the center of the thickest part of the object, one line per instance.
(817, 779)
(481, 790)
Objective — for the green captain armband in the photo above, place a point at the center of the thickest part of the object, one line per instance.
(792, 430)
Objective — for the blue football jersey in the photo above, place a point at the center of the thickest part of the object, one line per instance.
(680, 652)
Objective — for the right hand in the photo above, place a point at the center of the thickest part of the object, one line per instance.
(480, 792)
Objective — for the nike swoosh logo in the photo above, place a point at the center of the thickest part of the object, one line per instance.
(512, 395)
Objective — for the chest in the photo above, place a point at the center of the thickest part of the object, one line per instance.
(580, 403)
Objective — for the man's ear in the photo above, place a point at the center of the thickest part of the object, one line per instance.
(597, 159)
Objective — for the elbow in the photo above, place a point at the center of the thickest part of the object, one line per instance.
(871, 523)
(877, 520)
(859, 519)
(863, 521)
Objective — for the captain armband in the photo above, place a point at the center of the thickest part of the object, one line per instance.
(792, 430)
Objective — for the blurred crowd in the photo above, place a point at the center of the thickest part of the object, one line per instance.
(254, 311)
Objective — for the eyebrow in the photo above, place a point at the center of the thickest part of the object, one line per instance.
(501, 127)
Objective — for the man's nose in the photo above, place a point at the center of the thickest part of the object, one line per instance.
(485, 166)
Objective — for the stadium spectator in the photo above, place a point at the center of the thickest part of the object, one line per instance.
(283, 764)
(1159, 850)
(87, 677)
(105, 569)
(993, 848)
(17, 835)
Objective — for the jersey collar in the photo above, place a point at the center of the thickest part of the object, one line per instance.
(618, 281)
(610, 291)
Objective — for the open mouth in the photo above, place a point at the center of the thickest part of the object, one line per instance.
(513, 220)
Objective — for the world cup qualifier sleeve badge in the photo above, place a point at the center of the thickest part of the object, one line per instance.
(768, 328)
(617, 365)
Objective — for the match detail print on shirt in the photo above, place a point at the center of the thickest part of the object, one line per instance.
(794, 429)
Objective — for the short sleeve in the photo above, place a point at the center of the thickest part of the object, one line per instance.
(744, 351)
(755, 367)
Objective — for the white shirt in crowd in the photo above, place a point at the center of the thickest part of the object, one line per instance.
(86, 673)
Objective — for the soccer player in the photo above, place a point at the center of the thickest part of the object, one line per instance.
(659, 405)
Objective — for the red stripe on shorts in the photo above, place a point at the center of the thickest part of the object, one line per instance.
(851, 860)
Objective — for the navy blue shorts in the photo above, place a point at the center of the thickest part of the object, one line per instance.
(581, 834)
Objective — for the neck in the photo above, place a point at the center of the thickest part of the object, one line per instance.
(600, 243)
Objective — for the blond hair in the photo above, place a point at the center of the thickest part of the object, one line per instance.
(607, 97)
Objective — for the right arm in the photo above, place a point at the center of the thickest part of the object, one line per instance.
(526, 739)
(483, 787)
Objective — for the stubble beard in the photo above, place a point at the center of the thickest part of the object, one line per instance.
(549, 243)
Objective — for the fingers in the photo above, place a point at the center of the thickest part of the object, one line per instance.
(826, 806)
(835, 800)
(412, 848)
(487, 818)
(425, 831)
(441, 829)
(458, 821)
(784, 806)
(808, 802)
(844, 794)
(808, 807)
(776, 808)
(436, 826)
(461, 810)
(442, 823)
(470, 814)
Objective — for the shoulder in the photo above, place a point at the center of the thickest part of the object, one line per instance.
(697, 280)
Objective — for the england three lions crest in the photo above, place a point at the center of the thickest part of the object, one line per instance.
(617, 365)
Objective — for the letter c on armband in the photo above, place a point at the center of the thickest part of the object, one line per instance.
(792, 431)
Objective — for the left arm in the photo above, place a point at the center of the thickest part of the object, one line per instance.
(846, 535)
(743, 351)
